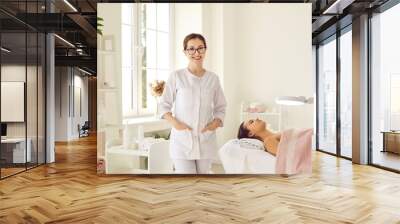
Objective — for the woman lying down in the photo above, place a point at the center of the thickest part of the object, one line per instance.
(256, 129)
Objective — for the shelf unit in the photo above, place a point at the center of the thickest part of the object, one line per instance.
(274, 119)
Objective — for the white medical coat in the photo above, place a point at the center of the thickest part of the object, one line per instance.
(196, 101)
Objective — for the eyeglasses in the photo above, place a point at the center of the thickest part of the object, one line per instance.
(192, 51)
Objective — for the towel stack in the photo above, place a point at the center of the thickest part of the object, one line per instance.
(146, 143)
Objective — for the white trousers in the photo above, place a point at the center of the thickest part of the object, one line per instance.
(183, 166)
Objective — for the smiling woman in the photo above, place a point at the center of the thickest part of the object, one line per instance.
(199, 110)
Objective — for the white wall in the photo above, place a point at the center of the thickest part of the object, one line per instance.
(187, 19)
(80, 82)
(17, 73)
(263, 51)
(33, 127)
(66, 121)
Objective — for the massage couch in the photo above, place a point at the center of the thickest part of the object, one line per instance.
(247, 156)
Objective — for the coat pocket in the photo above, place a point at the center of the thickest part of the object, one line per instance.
(183, 138)
(207, 136)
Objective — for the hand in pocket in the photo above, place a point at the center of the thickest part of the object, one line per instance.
(212, 126)
(180, 126)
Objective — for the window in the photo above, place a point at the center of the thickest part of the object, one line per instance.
(385, 85)
(335, 94)
(346, 94)
(394, 101)
(146, 56)
(127, 57)
(327, 96)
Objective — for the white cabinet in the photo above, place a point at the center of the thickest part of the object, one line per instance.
(123, 156)
(122, 160)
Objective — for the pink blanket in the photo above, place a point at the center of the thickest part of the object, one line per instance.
(294, 152)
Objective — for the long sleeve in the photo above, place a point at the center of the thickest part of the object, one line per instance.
(219, 103)
(168, 97)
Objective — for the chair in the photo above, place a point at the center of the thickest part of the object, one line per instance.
(84, 130)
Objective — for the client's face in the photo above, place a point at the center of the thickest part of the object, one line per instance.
(255, 126)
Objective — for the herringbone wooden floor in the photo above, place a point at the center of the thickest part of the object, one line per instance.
(70, 191)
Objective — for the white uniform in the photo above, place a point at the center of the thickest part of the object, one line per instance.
(196, 102)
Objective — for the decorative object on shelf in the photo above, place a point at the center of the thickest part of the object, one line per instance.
(294, 100)
(108, 44)
(157, 88)
(272, 116)
(254, 107)
(146, 143)
(100, 25)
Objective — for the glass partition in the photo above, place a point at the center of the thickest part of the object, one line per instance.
(23, 91)
(346, 94)
(327, 96)
(14, 154)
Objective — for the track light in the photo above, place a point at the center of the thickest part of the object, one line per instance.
(70, 5)
(64, 40)
(84, 71)
(337, 7)
(5, 50)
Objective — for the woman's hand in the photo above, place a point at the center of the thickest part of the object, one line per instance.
(180, 126)
(212, 126)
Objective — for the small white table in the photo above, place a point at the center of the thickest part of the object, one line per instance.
(19, 155)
